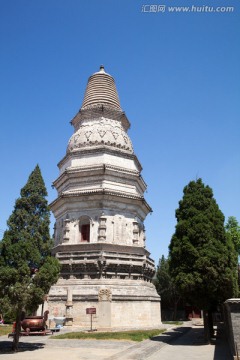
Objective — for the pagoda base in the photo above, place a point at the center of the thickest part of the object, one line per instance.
(120, 304)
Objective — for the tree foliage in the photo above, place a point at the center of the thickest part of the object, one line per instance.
(233, 231)
(165, 285)
(27, 269)
(202, 258)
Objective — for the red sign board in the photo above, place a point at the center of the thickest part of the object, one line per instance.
(91, 310)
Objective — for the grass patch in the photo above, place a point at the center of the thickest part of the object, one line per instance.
(5, 329)
(173, 322)
(137, 335)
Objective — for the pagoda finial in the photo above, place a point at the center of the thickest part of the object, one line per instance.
(102, 68)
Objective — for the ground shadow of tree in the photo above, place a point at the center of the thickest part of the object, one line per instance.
(196, 338)
(169, 336)
(6, 347)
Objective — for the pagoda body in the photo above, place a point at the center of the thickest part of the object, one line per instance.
(99, 231)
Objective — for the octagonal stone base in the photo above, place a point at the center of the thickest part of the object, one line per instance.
(120, 304)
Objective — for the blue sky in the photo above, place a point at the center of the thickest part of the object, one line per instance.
(178, 79)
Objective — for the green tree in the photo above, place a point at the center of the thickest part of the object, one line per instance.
(202, 257)
(166, 287)
(233, 230)
(27, 269)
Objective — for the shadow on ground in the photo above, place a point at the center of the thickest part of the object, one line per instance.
(196, 338)
(6, 347)
(169, 336)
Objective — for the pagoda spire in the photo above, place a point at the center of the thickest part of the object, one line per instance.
(101, 90)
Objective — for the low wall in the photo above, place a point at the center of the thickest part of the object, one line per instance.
(232, 325)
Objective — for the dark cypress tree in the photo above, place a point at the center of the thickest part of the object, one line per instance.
(202, 257)
(27, 269)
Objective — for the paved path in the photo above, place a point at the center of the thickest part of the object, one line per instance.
(181, 343)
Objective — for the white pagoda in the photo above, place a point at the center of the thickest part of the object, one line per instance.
(99, 230)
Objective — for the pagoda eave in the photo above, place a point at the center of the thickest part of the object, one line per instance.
(103, 195)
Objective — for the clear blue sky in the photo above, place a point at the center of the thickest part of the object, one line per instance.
(178, 79)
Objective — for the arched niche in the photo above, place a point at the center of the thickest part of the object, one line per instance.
(85, 223)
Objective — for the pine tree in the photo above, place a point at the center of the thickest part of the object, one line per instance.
(202, 257)
(27, 269)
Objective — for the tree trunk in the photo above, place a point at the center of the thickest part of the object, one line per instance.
(17, 331)
(210, 323)
(206, 327)
(175, 310)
